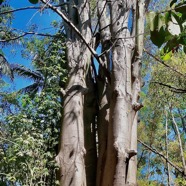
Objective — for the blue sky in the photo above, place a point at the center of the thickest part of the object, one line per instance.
(22, 21)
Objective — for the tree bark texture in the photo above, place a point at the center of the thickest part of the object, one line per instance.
(72, 148)
(90, 112)
(118, 85)
(167, 150)
(103, 89)
(180, 144)
(118, 146)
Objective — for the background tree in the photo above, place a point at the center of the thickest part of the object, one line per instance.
(29, 131)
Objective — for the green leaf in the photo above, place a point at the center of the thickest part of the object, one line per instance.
(150, 17)
(34, 1)
(167, 17)
(167, 56)
(158, 37)
(170, 45)
(157, 22)
(182, 40)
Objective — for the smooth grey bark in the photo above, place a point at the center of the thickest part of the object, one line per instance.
(72, 148)
(138, 32)
(102, 123)
(125, 88)
(118, 144)
(121, 100)
(103, 90)
(180, 144)
(167, 150)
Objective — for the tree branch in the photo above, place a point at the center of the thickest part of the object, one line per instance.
(162, 62)
(68, 22)
(27, 33)
(28, 8)
(174, 89)
(161, 155)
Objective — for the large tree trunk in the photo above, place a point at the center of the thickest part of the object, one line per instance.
(125, 88)
(118, 147)
(118, 90)
(139, 19)
(90, 112)
(103, 85)
(72, 151)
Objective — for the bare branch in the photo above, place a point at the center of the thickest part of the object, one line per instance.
(28, 33)
(180, 143)
(163, 63)
(161, 155)
(67, 21)
(27, 8)
(173, 89)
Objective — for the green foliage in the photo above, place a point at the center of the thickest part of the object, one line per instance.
(30, 134)
(151, 130)
(147, 183)
(168, 26)
(5, 67)
(180, 181)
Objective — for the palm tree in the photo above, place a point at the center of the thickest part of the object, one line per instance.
(5, 68)
(36, 76)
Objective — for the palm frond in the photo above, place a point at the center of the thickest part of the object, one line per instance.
(32, 89)
(26, 72)
(5, 68)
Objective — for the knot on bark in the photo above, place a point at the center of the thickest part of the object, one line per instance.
(131, 153)
(83, 151)
(57, 159)
(137, 106)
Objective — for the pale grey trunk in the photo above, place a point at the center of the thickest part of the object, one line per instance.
(167, 150)
(138, 32)
(121, 100)
(125, 88)
(103, 90)
(118, 145)
(180, 144)
(132, 169)
(102, 125)
(72, 151)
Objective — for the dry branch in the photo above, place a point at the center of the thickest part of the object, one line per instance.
(161, 155)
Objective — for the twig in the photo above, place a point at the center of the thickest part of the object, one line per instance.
(28, 33)
(67, 21)
(174, 89)
(28, 8)
(160, 154)
(163, 63)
